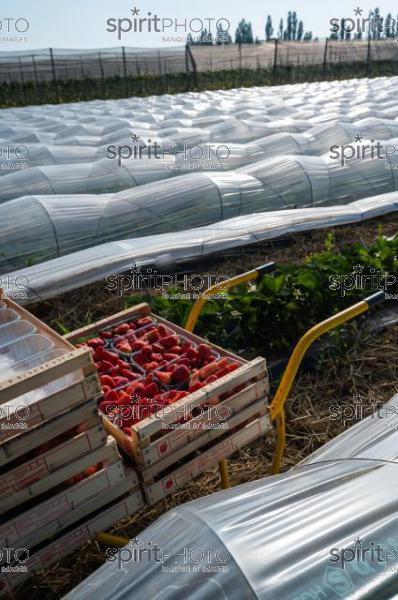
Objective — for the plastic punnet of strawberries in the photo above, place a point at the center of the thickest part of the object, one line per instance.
(144, 366)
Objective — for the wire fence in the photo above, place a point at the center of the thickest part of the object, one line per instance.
(63, 65)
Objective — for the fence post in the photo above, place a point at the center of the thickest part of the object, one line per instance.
(186, 58)
(54, 75)
(275, 59)
(325, 54)
(100, 65)
(240, 57)
(124, 69)
(34, 69)
(194, 66)
(368, 54)
(22, 81)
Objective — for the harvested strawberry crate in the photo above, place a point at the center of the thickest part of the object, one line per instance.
(17, 448)
(128, 500)
(41, 374)
(169, 481)
(49, 458)
(44, 520)
(179, 395)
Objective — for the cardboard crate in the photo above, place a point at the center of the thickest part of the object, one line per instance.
(204, 460)
(72, 379)
(41, 465)
(251, 412)
(107, 453)
(51, 516)
(147, 446)
(12, 449)
(68, 542)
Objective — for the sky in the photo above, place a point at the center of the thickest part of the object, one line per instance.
(34, 24)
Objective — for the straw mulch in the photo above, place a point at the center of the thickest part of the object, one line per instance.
(369, 367)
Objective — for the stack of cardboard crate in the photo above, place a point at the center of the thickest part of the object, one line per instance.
(62, 479)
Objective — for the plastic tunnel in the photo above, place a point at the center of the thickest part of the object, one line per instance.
(291, 537)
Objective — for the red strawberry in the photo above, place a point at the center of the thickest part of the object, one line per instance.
(111, 396)
(132, 324)
(140, 359)
(123, 398)
(106, 388)
(183, 361)
(186, 346)
(192, 353)
(153, 336)
(151, 366)
(129, 374)
(106, 380)
(119, 381)
(106, 406)
(144, 321)
(175, 350)
(106, 335)
(123, 364)
(157, 357)
(195, 386)
(122, 328)
(136, 389)
(95, 342)
(169, 341)
(99, 353)
(169, 356)
(91, 470)
(156, 347)
(222, 372)
(131, 338)
(138, 345)
(151, 390)
(164, 377)
(115, 372)
(112, 357)
(210, 379)
(147, 350)
(180, 373)
(124, 347)
(104, 366)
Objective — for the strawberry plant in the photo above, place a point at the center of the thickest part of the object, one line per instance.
(269, 317)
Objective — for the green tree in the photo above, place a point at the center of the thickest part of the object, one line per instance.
(244, 33)
(206, 38)
(223, 37)
(389, 27)
(269, 30)
(280, 32)
(294, 25)
(300, 31)
(376, 24)
(289, 26)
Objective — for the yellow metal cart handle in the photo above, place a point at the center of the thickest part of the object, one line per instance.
(197, 307)
(277, 406)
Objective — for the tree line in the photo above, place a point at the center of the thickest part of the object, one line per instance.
(374, 25)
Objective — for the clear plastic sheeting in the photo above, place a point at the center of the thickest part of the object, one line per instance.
(84, 169)
(296, 536)
(184, 202)
(166, 250)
